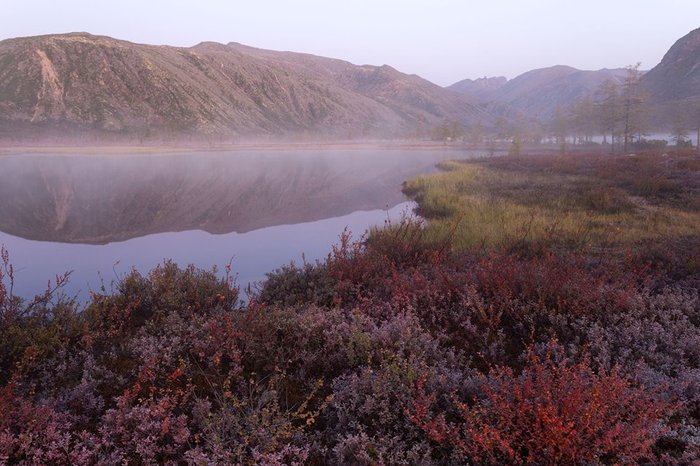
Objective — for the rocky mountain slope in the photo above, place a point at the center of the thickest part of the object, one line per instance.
(80, 85)
(675, 82)
(84, 84)
(677, 76)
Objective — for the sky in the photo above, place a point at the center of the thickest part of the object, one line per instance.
(444, 41)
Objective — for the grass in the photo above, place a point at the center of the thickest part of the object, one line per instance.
(568, 201)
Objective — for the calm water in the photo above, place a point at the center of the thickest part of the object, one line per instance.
(100, 215)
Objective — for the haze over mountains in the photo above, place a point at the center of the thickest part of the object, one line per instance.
(538, 93)
(79, 84)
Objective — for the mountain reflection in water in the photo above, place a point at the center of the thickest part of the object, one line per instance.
(251, 254)
(128, 209)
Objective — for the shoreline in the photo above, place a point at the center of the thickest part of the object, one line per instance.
(166, 149)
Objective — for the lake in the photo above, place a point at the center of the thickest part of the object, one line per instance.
(100, 215)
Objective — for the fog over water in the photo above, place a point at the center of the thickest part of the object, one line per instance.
(101, 215)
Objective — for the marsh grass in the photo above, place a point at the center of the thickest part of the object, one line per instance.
(561, 201)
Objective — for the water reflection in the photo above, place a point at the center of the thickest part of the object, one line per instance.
(251, 254)
(101, 199)
(261, 209)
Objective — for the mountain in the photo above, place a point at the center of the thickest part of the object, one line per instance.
(84, 84)
(672, 86)
(407, 95)
(676, 79)
(479, 88)
(539, 92)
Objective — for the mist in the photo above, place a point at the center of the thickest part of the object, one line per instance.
(102, 211)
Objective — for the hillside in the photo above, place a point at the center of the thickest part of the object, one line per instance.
(677, 76)
(84, 84)
(676, 79)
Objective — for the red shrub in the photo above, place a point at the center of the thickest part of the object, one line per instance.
(145, 433)
(366, 264)
(31, 434)
(553, 413)
(564, 283)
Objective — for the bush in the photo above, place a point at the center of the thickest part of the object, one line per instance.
(650, 145)
(554, 412)
(32, 332)
(291, 285)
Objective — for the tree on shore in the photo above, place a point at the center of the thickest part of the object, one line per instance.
(679, 125)
(583, 118)
(448, 131)
(476, 134)
(518, 131)
(632, 100)
(608, 110)
(559, 128)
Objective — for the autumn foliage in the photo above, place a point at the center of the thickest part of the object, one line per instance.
(552, 413)
(394, 350)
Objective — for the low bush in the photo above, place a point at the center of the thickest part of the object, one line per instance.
(554, 412)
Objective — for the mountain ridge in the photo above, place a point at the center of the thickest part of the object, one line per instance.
(539, 92)
(97, 84)
(78, 85)
(677, 76)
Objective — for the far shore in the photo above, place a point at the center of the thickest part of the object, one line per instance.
(165, 149)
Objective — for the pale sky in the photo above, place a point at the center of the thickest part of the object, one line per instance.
(441, 40)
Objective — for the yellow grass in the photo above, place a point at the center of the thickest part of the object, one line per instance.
(562, 202)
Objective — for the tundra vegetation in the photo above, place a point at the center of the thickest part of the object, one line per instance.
(546, 312)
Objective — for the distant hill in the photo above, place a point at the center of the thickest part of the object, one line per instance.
(672, 86)
(479, 88)
(84, 84)
(539, 92)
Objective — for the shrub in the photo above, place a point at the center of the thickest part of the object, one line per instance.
(292, 285)
(31, 434)
(34, 331)
(657, 342)
(366, 417)
(554, 412)
(357, 267)
(650, 145)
